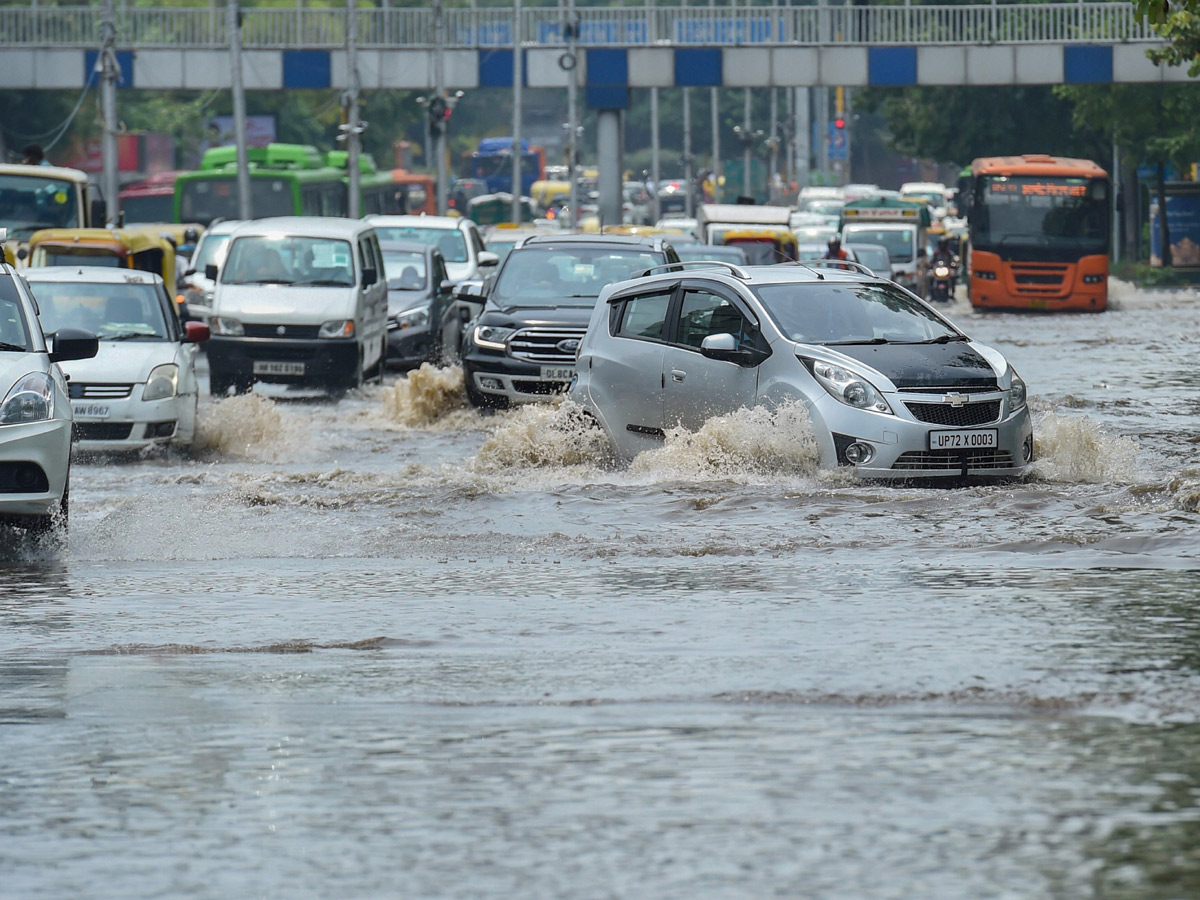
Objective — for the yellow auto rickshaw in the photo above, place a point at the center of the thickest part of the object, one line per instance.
(764, 246)
(129, 248)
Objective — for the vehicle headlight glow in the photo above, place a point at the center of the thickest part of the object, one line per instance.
(941, 271)
(162, 383)
(849, 387)
(338, 328)
(416, 317)
(1017, 393)
(491, 336)
(30, 400)
(226, 326)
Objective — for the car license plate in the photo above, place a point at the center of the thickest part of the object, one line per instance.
(89, 411)
(558, 373)
(962, 440)
(263, 367)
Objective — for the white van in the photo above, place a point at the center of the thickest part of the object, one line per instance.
(298, 300)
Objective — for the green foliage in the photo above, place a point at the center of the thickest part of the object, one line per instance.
(1178, 21)
(1143, 275)
(1154, 123)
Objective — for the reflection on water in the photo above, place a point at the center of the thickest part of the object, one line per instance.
(391, 647)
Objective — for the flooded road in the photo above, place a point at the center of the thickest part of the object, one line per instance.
(389, 648)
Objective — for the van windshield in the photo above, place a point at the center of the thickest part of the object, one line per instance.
(898, 242)
(272, 259)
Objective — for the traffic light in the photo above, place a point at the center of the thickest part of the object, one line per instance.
(439, 112)
(840, 123)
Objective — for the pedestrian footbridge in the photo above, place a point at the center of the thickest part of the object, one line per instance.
(610, 49)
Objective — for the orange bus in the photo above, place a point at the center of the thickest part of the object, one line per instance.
(1039, 234)
(415, 193)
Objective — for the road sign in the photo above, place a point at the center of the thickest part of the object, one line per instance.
(838, 146)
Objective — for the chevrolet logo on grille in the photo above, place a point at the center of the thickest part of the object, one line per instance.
(956, 400)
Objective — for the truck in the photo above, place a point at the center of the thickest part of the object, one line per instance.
(900, 227)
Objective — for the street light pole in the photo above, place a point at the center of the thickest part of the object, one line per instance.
(354, 206)
(573, 113)
(107, 64)
(518, 77)
(234, 26)
(687, 151)
(439, 90)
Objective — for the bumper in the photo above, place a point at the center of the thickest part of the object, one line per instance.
(519, 381)
(46, 445)
(901, 448)
(409, 347)
(323, 361)
(130, 425)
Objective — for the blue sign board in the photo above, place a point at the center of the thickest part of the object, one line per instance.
(839, 148)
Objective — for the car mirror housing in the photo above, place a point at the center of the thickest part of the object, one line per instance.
(488, 258)
(73, 343)
(196, 332)
(210, 272)
(369, 277)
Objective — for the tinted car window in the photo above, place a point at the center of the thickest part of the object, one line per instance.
(704, 313)
(645, 316)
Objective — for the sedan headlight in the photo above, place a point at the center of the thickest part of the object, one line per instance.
(226, 326)
(338, 328)
(491, 336)
(162, 383)
(1017, 394)
(30, 400)
(848, 387)
(416, 317)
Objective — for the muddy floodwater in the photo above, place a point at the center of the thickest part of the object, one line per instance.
(390, 648)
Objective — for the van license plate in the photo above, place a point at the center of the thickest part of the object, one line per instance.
(558, 373)
(89, 411)
(962, 440)
(278, 368)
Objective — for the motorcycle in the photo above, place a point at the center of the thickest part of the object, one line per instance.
(941, 282)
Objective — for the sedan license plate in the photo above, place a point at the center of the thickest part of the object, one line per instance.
(89, 411)
(558, 373)
(962, 440)
(262, 367)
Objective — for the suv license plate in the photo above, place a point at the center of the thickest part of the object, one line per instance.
(558, 373)
(278, 368)
(89, 411)
(962, 440)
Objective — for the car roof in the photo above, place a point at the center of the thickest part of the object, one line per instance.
(225, 226)
(449, 223)
(305, 226)
(598, 240)
(90, 275)
(797, 273)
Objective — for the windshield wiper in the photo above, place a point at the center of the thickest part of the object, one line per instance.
(127, 335)
(945, 339)
(16, 348)
(319, 282)
(267, 281)
(860, 341)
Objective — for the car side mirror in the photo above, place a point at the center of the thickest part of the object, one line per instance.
(469, 292)
(369, 277)
(210, 272)
(488, 258)
(99, 212)
(196, 332)
(465, 314)
(73, 343)
(447, 286)
(724, 347)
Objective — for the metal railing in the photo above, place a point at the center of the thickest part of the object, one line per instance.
(670, 26)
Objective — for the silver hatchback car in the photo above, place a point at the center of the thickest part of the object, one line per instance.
(892, 388)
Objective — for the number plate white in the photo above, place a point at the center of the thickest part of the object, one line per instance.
(262, 367)
(558, 373)
(89, 411)
(962, 440)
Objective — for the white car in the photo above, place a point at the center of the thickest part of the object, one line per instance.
(196, 287)
(139, 390)
(35, 410)
(458, 238)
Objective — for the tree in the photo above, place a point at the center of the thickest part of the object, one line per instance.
(1178, 21)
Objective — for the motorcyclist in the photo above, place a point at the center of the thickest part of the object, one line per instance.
(943, 255)
(835, 250)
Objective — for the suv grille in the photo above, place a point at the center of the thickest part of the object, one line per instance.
(99, 391)
(290, 332)
(541, 345)
(956, 416)
(951, 460)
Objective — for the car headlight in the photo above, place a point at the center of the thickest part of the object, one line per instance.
(226, 326)
(1017, 394)
(338, 328)
(30, 400)
(162, 383)
(848, 387)
(491, 336)
(416, 317)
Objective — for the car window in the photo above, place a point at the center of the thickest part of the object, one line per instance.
(113, 311)
(552, 276)
(289, 260)
(644, 316)
(405, 270)
(825, 313)
(898, 243)
(450, 241)
(13, 331)
(704, 313)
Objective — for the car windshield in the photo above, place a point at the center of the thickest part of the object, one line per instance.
(115, 311)
(554, 276)
(271, 259)
(14, 333)
(722, 252)
(405, 270)
(450, 241)
(31, 201)
(210, 252)
(873, 257)
(898, 242)
(848, 313)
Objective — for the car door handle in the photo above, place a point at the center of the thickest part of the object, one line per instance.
(677, 375)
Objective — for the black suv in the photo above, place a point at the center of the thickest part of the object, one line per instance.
(522, 346)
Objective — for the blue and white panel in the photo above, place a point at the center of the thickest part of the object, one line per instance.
(845, 66)
(892, 66)
(942, 65)
(700, 67)
(1038, 64)
(746, 67)
(652, 67)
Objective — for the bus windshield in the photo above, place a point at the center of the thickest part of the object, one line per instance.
(30, 202)
(205, 199)
(1054, 214)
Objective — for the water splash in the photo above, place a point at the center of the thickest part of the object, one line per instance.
(754, 441)
(1075, 450)
(558, 435)
(248, 425)
(429, 396)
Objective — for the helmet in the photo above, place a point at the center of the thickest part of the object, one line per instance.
(190, 235)
(835, 241)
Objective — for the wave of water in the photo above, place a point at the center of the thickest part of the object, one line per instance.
(429, 397)
(1075, 450)
(250, 426)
